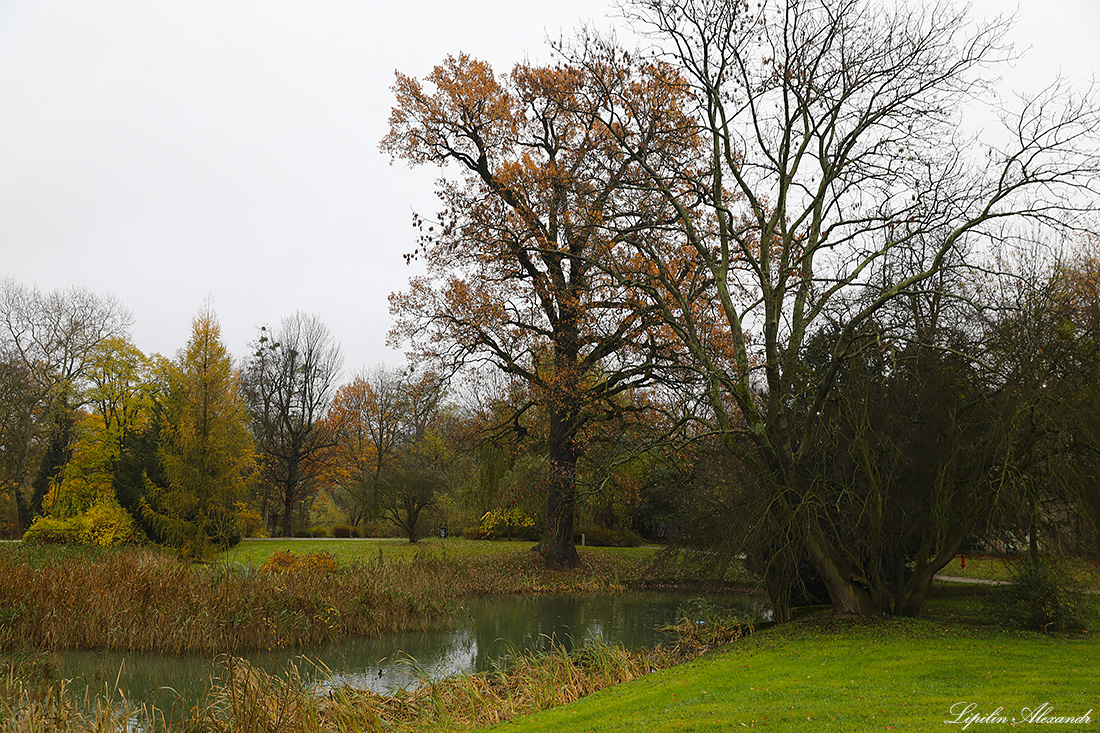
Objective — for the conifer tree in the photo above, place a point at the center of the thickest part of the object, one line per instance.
(205, 449)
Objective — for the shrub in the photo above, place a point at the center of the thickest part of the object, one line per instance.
(249, 521)
(510, 523)
(344, 531)
(1044, 596)
(602, 537)
(476, 533)
(107, 524)
(54, 531)
(379, 529)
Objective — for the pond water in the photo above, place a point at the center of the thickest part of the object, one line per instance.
(486, 630)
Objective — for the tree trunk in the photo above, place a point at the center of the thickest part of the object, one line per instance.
(849, 597)
(288, 511)
(58, 453)
(559, 550)
(21, 509)
(918, 593)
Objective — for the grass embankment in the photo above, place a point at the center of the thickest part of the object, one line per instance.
(882, 674)
(145, 600)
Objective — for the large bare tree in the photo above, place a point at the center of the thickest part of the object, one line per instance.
(289, 383)
(836, 181)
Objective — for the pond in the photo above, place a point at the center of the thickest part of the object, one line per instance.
(487, 630)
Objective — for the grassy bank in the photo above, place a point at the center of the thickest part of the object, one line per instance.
(144, 600)
(882, 674)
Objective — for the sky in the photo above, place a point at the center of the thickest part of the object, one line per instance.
(177, 152)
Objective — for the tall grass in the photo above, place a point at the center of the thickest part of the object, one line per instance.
(250, 700)
(28, 705)
(702, 625)
(145, 600)
(253, 700)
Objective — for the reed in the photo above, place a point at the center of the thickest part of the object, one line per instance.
(252, 700)
(702, 625)
(144, 600)
(38, 704)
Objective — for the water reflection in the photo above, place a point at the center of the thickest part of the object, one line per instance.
(487, 630)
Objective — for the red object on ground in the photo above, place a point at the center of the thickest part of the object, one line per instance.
(962, 559)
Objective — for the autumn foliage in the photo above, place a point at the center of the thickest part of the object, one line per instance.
(518, 258)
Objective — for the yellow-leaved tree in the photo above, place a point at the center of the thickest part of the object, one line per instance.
(206, 449)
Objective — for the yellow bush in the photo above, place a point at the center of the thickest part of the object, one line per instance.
(106, 524)
(249, 521)
(508, 522)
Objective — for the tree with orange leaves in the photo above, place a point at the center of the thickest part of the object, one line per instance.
(365, 421)
(517, 259)
(388, 454)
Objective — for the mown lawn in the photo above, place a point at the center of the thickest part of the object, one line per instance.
(999, 567)
(640, 565)
(258, 551)
(838, 675)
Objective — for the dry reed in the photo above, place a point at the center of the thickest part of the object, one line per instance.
(145, 600)
(252, 700)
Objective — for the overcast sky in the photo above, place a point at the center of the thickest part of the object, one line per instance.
(170, 151)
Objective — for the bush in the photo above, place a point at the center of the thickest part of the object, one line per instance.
(476, 533)
(602, 537)
(105, 524)
(312, 533)
(344, 531)
(249, 521)
(54, 531)
(1043, 596)
(378, 529)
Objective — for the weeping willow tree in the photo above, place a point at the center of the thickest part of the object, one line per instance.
(205, 447)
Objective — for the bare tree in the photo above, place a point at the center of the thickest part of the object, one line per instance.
(55, 336)
(289, 383)
(835, 182)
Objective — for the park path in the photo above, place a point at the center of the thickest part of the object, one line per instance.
(979, 581)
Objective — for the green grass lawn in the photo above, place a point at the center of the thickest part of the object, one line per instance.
(836, 675)
(999, 567)
(648, 562)
(256, 552)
